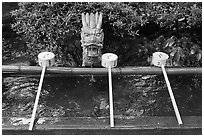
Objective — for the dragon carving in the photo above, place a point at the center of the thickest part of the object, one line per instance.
(92, 38)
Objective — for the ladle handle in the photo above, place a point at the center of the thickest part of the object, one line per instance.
(37, 98)
(172, 96)
(110, 97)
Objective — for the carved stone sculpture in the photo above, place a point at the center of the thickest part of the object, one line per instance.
(92, 38)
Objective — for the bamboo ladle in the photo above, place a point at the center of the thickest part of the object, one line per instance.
(109, 60)
(45, 59)
(159, 60)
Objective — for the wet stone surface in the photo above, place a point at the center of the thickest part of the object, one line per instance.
(79, 96)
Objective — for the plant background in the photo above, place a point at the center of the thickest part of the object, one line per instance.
(132, 30)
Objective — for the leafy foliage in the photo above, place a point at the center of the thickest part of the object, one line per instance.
(6, 49)
(182, 51)
(56, 27)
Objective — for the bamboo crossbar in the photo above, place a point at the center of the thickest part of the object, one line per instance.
(66, 71)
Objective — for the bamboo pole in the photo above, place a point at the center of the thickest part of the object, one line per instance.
(172, 96)
(37, 98)
(110, 97)
(65, 71)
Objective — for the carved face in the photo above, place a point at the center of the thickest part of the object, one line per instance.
(92, 39)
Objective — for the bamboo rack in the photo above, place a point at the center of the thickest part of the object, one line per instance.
(67, 71)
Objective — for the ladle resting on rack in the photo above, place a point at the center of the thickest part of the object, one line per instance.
(109, 60)
(159, 60)
(45, 59)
